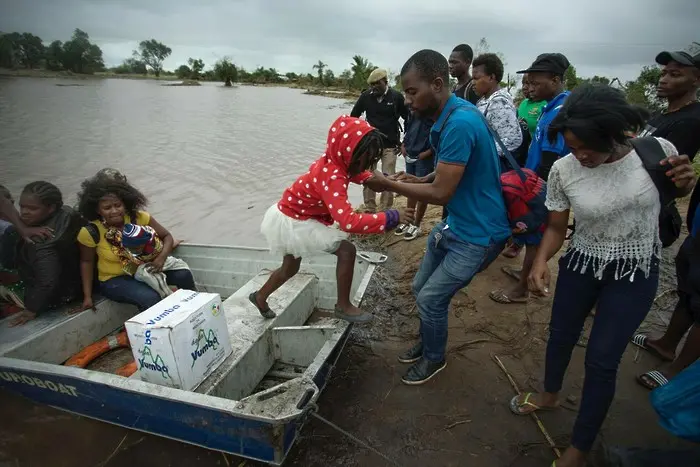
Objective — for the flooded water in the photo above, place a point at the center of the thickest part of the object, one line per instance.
(210, 159)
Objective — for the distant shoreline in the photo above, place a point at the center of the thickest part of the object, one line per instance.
(336, 93)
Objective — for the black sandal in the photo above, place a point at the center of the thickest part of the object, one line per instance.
(267, 313)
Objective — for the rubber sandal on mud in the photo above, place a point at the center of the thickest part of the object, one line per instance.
(517, 407)
(364, 317)
(655, 376)
(640, 340)
(499, 296)
(268, 313)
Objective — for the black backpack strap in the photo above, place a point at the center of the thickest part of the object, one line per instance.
(652, 153)
(93, 231)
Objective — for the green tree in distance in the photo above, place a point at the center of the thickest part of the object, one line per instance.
(183, 72)
(642, 91)
(320, 66)
(328, 77)
(196, 67)
(153, 53)
(131, 66)
(571, 80)
(226, 71)
(23, 49)
(79, 55)
(31, 50)
(53, 55)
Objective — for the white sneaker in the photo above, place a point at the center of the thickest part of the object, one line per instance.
(412, 233)
(400, 230)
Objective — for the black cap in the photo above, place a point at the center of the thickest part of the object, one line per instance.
(549, 63)
(688, 57)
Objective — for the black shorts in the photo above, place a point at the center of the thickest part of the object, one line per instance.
(688, 275)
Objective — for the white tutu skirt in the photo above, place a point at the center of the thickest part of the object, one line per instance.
(287, 236)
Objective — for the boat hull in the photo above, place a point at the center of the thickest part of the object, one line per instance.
(261, 424)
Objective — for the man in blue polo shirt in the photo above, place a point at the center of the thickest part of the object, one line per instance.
(467, 180)
(546, 79)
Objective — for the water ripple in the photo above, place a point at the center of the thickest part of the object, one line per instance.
(210, 159)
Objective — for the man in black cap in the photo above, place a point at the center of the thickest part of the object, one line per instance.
(679, 84)
(546, 78)
(679, 124)
(546, 82)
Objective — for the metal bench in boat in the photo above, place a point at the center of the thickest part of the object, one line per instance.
(253, 405)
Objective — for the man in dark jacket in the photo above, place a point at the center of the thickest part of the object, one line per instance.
(382, 106)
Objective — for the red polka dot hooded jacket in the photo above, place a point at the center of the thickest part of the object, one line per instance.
(322, 193)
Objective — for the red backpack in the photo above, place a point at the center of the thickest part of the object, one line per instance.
(524, 199)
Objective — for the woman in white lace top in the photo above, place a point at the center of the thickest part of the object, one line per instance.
(613, 257)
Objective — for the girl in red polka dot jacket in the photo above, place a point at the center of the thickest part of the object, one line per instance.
(302, 222)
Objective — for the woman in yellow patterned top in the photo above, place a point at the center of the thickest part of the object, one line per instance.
(109, 204)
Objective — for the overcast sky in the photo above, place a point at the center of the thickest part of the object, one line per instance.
(605, 37)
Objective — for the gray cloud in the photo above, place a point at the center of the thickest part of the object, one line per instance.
(613, 38)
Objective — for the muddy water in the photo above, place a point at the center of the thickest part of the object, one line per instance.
(210, 159)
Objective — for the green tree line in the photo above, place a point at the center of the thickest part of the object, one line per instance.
(80, 55)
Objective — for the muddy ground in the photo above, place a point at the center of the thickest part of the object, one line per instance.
(461, 418)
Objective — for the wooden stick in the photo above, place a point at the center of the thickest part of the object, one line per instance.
(537, 420)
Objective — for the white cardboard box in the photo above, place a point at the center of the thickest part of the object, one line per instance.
(181, 340)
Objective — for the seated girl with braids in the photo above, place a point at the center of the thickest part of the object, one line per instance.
(301, 223)
(110, 203)
(49, 267)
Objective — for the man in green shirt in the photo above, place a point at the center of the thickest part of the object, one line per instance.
(529, 110)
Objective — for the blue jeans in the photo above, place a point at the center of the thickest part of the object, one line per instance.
(621, 307)
(420, 168)
(448, 266)
(126, 289)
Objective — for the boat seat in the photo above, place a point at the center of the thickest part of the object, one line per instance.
(249, 333)
(56, 335)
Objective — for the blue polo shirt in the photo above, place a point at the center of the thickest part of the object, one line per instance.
(477, 211)
(540, 143)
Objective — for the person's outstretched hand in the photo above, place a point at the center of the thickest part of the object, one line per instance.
(377, 182)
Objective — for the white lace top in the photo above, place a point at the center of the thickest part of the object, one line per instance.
(616, 207)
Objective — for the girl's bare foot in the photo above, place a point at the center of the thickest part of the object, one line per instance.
(350, 310)
(352, 314)
(22, 318)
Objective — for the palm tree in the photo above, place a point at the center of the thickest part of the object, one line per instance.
(320, 66)
(361, 68)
